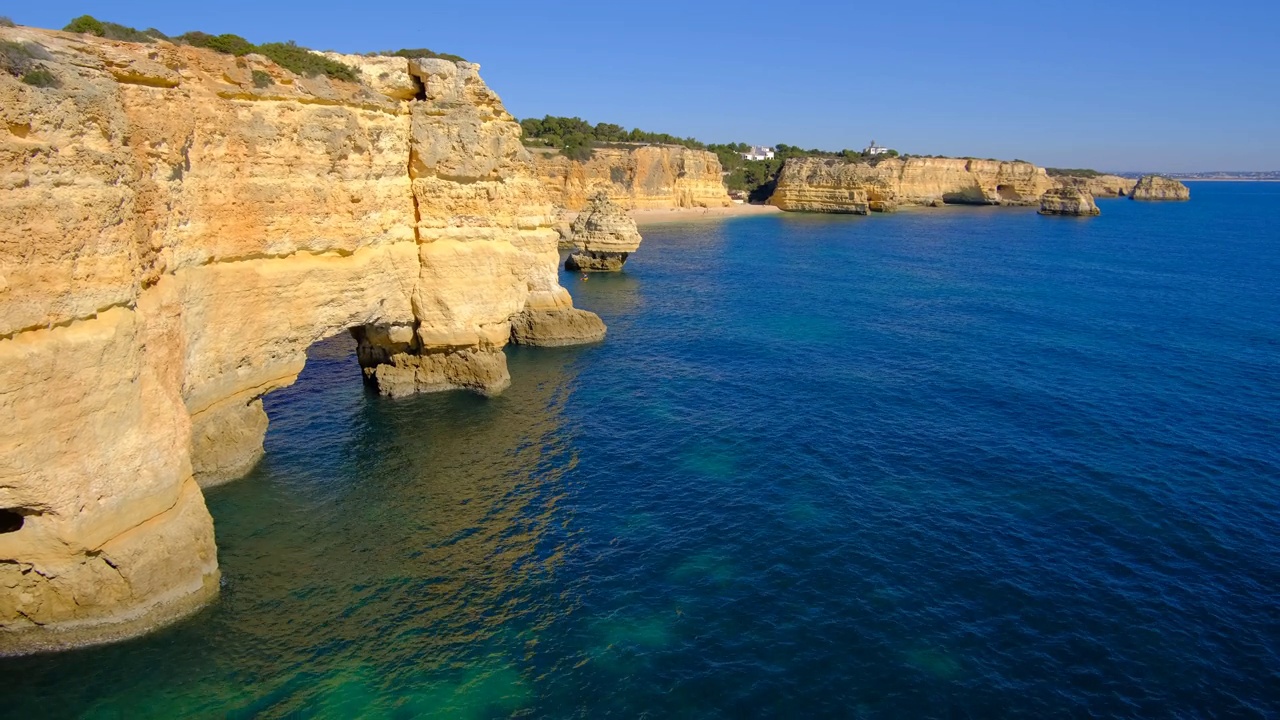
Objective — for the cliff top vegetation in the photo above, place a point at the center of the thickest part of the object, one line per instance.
(288, 55)
(419, 53)
(1072, 172)
(576, 138)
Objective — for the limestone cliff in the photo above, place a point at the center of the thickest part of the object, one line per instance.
(603, 236)
(1068, 201)
(1155, 187)
(1108, 186)
(832, 185)
(639, 178)
(174, 233)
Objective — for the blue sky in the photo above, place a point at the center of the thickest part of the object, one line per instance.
(1131, 85)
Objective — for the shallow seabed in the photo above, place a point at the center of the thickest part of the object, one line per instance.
(954, 463)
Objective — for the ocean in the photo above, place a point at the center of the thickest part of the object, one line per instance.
(953, 463)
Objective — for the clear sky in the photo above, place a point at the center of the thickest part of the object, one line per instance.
(1118, 85)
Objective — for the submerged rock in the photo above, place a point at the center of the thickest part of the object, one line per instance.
(1155, 187)
(1068, 201)
(603, 235)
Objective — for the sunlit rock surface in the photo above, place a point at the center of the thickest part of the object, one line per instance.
(173, 236)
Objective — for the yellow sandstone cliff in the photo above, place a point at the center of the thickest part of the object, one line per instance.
(1106, 186)
(654, 177)
(173, 236)
(833, 185)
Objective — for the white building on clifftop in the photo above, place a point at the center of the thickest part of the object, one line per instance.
(758, 152)
(874, 149)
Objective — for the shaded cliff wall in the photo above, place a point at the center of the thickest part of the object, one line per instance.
(830, 185)
(172, 238)
(642, 178)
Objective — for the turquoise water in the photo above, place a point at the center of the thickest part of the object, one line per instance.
(953, 463)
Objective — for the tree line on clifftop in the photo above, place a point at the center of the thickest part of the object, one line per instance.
(288, 55)
(577, 139)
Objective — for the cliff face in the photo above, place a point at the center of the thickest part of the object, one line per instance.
(651, 177)
(1068, 201)
(1155, 187)
(173, 236)
(1099, 185)
(829, 185)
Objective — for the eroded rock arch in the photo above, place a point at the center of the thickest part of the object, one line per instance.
(180, 236)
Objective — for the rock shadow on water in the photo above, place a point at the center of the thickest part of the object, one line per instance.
(624, 644)
(710, 568)
(711, 461)
(934, 662)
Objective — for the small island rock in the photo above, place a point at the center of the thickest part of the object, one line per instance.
(1155, 187)
(603, 235)
(1068, 201)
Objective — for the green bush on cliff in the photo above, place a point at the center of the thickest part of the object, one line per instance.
(40, 78)
(6, 21)
(424, 53)
(1072, 172)
(291, 56)
(288, 55)
(226, 43)
(565, 133)
(90, 25)
(87, 24)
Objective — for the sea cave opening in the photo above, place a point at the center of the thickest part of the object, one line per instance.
(10, 520)
(1007, 192)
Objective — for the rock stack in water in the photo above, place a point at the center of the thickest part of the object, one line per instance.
(1068, 201)
(603, 235)
(1154, 187)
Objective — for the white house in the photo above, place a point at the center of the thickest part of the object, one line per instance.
(758, 152)
(874, 149)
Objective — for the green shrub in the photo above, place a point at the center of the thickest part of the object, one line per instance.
(423, 53)
(226, 43)
(5, 21)
(1072, 172)
(578, 149)
(290, 55)
(87, 24)
(302, 61)
(261, 79)
(90, 25)
(40, 77)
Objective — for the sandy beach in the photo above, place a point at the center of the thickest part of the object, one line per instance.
(652, 217)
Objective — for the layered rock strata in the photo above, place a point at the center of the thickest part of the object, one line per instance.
(1068, 201)
(174, 233)
(603, 236)
(637, 178)
(1155, 187)
(1104, 186)
(832, 185)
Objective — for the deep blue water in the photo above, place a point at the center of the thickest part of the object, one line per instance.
(949, 463)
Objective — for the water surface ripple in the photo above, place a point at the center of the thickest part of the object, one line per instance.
(957, 463)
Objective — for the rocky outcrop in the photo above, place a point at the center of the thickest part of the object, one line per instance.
(603, 236)
(637, 178)
(1068, 201)
(1155, 187)
(834, 185)
(176, 232)
(1105, 186)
